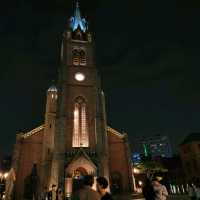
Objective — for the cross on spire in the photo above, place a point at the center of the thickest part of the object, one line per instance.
(76, 20)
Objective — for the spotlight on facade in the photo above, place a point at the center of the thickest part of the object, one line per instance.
(5, 175)
(140, 183)
(136, 171)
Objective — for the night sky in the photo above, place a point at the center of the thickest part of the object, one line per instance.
(147, 52)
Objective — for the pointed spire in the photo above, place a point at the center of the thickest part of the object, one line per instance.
(53, 87)
(76, 20)
(77, 13)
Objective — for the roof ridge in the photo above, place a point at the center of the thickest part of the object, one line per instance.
(34, 131)
(115, 131)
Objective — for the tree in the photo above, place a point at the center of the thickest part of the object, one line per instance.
(151, 167)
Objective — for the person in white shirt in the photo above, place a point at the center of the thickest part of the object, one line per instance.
(160, 190)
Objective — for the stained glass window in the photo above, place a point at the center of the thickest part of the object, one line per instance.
(80, 126)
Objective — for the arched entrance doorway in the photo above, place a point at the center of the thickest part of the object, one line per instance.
(75, 171)
(77, 178)
(79, 173)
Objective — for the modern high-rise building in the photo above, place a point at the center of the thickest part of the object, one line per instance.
(74, 139)
(153, 146)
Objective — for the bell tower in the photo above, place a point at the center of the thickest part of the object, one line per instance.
(78, 80)
(80, 138)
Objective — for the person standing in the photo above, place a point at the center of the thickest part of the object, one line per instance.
(102, 185)
(52, 193)
(148, 190)
(87, 193)
(60, 194)
(160, 190)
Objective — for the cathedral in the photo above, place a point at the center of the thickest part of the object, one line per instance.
(74, 140)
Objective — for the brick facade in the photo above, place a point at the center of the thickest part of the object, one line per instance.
(106, 151)
(27, 152)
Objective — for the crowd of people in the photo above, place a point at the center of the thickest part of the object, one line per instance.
(154, 190)
(85, 191)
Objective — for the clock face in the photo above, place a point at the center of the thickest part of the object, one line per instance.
(79, 76)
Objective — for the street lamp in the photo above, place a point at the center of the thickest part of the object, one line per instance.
(3, 177)
(140, 183)
(136, 171)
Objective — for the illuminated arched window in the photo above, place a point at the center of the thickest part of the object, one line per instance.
(75, 57)
(82, 57)
(80, 124)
